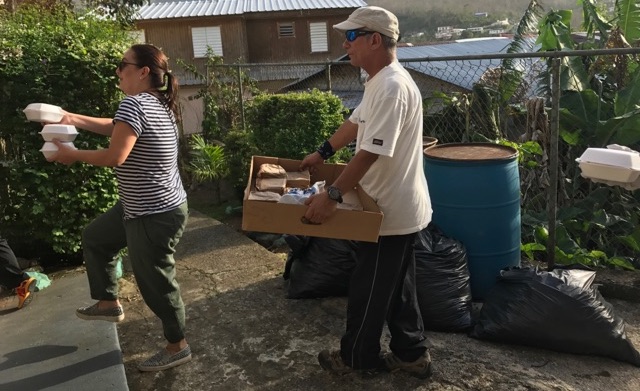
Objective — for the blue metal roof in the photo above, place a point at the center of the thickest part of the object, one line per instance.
(168, 9)
(461, 73)
(462, 47)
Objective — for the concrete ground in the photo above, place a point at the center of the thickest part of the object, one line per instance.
(245, 335)
(44, 346)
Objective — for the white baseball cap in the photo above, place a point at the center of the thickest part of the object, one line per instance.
(371, 18)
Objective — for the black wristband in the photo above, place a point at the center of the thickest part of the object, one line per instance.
(326, 150)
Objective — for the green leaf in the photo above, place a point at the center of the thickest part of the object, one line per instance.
(593, 21)
(629, 19)
(564, 241)
(529, 248)
(604, 219)
(555, 31)
(628, 99)
(632, 241)
(620, 262)
(623, 130)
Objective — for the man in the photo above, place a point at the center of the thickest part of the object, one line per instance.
(12, 277)
(388, 165)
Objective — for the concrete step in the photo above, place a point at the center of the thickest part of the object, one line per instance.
(44, 346)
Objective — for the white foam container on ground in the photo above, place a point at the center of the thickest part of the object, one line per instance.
(614, 164)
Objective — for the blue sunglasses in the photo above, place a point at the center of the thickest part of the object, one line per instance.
(352, 35)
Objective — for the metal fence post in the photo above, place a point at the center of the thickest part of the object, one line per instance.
(553, 161)
(242, 120)
(328, 76)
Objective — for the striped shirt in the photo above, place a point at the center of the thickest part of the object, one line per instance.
(149, 180)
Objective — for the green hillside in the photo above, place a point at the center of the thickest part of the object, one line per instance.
(426, 15)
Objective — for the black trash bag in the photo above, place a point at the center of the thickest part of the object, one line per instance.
(319, 267)
(297, 244)
(557, 310)
(442, 281)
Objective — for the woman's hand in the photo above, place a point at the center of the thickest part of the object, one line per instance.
(65, 120)
(65, 155)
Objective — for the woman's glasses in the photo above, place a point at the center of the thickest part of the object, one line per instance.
(123, 64)
(352, 35)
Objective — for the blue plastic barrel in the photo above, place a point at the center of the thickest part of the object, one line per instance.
(475, 195)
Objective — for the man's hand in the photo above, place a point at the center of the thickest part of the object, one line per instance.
(321, 208)
(311, 161)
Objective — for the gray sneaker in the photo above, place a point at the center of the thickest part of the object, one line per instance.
(94, 313)
(165, 360)
(420, 368)
(332, 361)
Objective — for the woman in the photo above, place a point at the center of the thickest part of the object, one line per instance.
(151, 213)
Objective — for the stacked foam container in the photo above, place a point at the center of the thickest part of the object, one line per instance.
(43, 113)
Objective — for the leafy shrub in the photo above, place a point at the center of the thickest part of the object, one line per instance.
(295, 124)
(53, 56)
(238, 148)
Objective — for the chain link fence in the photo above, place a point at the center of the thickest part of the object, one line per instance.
(518, 98)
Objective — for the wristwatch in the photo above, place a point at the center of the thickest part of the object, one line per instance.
(334, 194)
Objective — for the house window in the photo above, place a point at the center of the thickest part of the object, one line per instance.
(318, 35)
(137, 36)
(286, 30)
(204, 37)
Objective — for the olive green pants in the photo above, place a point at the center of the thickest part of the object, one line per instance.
(151, 242)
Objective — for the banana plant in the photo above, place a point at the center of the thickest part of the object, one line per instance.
(600, 105)
(610, 112)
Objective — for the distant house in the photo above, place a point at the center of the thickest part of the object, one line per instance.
(243, 31)
(444, 32)
(497, 31)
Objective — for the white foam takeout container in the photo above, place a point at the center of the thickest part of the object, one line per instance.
(43, 112)
(60, 132)
(614, 163)
(49, 149)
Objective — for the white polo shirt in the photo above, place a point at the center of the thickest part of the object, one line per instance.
(389, 122)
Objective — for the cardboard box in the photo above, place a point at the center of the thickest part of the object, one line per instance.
(273, 217)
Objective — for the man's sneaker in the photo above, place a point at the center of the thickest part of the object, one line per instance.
(420, 368)
(332, 362)
(25, 291)
(165, 360)
(115, 314)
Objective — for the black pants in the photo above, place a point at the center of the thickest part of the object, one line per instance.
(383, 287)
(10, 273)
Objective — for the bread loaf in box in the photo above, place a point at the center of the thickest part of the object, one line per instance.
(276, 185)
(299, 179)
(269, 170)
